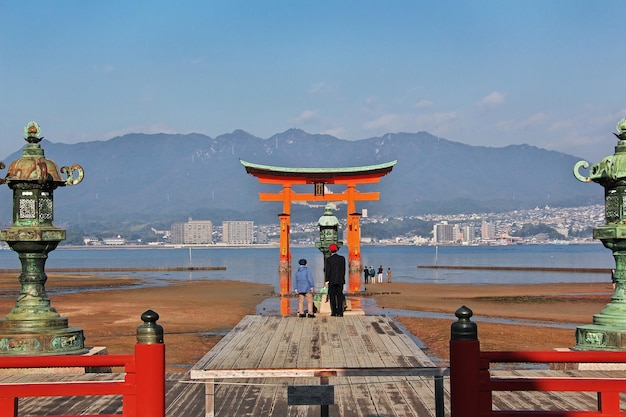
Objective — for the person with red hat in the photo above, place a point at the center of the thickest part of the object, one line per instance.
(335, 278)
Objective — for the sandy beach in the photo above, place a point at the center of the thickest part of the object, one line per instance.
(196, 314)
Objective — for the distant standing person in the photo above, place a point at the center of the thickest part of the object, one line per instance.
(335, 278)
(305, 288)
(372, 274)
(366, 275)
(380, 274)
(613, 279)
(388, 275)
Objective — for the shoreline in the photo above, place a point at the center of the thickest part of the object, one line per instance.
(293, 245)
(223, 268)
(129, 269)
(520, 268)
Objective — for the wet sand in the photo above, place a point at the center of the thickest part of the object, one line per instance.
(196, 314)
(568, 305)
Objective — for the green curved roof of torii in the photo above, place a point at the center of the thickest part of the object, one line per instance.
(274, 171)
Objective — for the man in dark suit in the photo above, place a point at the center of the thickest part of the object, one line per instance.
(335, 278)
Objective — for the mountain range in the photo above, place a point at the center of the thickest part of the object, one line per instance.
(161, 178)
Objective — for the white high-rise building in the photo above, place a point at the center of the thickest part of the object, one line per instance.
(487, 231)
(238, 232)
(469, 234)
(444, 232)
(193, 232)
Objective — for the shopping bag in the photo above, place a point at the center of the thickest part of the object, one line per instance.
(320, 295)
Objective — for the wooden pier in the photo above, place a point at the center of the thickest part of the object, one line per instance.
(373, 367)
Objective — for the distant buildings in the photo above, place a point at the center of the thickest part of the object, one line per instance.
(446, 233)
(114, 241)
(574, 223)
(91, 241)
(469, 234)
(192, 232)
(238, 232)
(487, 231)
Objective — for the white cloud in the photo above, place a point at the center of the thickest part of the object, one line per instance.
(590, 136)
(388, 122)
(338, 132)
(306, 117)
(598, 124)
(493, 99)
(610, 119)
(559, 125)
(534, 120)
(321, 88)
(104, 68)
(440, 123)
(434, 120)
(423, 104)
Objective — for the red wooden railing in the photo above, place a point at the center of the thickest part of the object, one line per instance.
(142, 389)
(472, 386)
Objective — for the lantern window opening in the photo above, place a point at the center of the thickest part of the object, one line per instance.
(27, 193)
(27, 209)
(45, 209)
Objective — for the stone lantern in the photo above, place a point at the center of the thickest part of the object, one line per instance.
(329, 232)
(608, 331)
(33, 326)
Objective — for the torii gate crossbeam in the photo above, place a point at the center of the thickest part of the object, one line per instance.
(319, 177)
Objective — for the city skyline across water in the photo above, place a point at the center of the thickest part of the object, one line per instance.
(260, 265)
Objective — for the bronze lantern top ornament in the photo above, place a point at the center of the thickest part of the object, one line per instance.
(33, 179)
(33, 165)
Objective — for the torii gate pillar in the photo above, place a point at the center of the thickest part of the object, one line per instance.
(285, 233)
(284, 264)
(354, 251)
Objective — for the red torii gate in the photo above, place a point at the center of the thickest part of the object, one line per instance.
(319, 177)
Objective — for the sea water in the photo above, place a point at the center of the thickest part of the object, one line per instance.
(260, 264)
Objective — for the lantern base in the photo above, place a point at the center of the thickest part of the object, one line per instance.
(27, 337)
(599, 337)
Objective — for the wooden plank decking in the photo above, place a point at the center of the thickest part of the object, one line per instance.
(182, 399)
(186, 399)
(380, 370)
(322, 342)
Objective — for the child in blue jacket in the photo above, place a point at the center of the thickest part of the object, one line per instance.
(303, 285)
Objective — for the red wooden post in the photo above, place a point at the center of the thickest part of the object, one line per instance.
(464, 366)
(609, 403)
(8, 406)
(150, 362)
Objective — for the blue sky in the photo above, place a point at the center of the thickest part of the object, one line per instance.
(492, 73)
